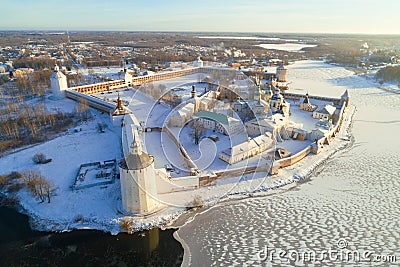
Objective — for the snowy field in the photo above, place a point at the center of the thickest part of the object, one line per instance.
(305, 118)
(318, 78)
(112, 72)
(353, 197)
(182, 81)
(68, 152)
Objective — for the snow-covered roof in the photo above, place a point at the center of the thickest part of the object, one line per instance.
(218, 117)
(250, 144)
(328, 109)
(271, 122)
(188, 108)
(263, 139)
(345, 95)
(240, 148)
(206, 100)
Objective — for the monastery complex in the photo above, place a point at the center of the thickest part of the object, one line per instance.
(248, 120)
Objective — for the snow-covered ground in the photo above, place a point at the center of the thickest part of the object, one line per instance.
(100, 207)
(68, 152)
(391, 87)
(112, 72)
(354, 197)
(144, 107)
(181, 81)
(247, 38)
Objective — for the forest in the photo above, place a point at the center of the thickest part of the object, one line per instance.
(389, 74)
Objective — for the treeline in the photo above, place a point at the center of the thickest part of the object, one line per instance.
(34, 63)
(34, 181)
(340, 52)
(23, 124)
(389, 74)
(36, 84)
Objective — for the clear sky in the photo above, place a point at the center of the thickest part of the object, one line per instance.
(319, 16)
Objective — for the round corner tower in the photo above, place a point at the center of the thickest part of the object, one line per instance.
(58, 83)
(281, 73)
(138, 183)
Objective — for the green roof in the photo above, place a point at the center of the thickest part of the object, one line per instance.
(218, 117)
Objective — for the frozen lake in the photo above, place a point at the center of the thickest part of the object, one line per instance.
(290, 47)
(350, 204)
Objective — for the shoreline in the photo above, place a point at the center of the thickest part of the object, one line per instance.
(270, 192)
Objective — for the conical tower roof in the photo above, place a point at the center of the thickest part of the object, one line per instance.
(137, 158)
(306, 99)
(136, 162)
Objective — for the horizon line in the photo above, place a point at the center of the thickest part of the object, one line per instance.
(188, 31)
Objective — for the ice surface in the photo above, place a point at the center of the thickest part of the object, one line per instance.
(291, 47)
(353, 196)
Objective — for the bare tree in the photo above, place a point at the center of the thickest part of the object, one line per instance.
(38, 185)
(198, 201)
(198, 129)
(82, 107)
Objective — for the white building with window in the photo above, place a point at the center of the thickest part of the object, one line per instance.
(218, 122)
(324, 113)
(248, 149)
(179, 117)
(275, 124)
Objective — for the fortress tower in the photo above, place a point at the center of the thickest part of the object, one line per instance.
(138, 180)
(345, 98)
(198, 63)
(281, 73)
(128, 78)
(58, 83)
